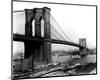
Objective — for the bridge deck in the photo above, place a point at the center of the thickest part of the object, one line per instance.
(19, 37)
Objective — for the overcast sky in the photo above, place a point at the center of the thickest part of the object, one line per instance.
(76, 22)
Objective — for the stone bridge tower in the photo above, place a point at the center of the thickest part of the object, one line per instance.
(82, 42)
(39, 50)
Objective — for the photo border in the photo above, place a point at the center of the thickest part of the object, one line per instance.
(58, 4)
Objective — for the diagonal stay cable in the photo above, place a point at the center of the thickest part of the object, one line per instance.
(55, 36)
(58, 33)
(61, 29)
(52, 33)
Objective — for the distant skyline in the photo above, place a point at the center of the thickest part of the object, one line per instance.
(76, 22)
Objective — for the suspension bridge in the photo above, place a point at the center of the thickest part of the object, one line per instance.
(39, 46)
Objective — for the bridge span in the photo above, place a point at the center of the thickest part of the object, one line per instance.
(19, 37)
(38, 47)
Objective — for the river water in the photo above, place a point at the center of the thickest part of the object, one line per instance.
(84, 60)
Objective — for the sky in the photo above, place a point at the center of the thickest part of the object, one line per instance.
(76, 22)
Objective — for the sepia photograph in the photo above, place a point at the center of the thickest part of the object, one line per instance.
(52, 39)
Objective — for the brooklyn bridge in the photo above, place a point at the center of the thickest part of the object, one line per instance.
(38, 46)
(42, 44)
